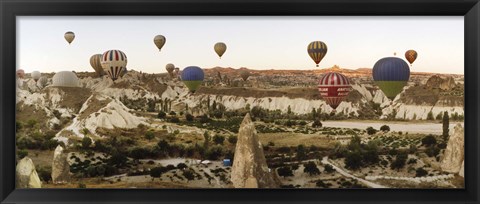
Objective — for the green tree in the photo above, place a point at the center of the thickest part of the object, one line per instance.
(189, 117)
(232, 139)
(314, 114)
(311, 168)
(218, 139)
(285, 171)
(420, 172)
(157, 172)
(301, 153)
(353, 160)
(86, 142)
(385, 128)
(289, 110)
(329, 168)
(317, 124)
(149, 135)
(188, 174)
(446, 123)
(430, 116)
(371, 130)
(429, 140)
(399, 161)
(161, 114)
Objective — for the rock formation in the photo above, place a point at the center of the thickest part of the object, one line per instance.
(250, 168)
(26, 175)
(60, 166)
(454, 153)
(462, 171)
(445, 84)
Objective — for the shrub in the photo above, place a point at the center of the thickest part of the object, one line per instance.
(311, 168)
(172, 113)
(329, 168)
(385, 128)
(353, 160)
(188, 174)
(399, 161)
(174, 120)
(302, 123)
(22, 153)
(181, 166)
(232, 139)
(301, 152)
(429, 140)
(371, 130)
(149, 135)
(86, 142)
(31, 123)
(156, 172)
(218, 139)
(161, 114)
(420, 172)
(317, 124)
(189, 117)
(285, 171)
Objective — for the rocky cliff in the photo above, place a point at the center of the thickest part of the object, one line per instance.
(454, 153)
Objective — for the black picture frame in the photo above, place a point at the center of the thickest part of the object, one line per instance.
(9, 9)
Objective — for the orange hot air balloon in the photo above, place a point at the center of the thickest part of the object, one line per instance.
(411, 56)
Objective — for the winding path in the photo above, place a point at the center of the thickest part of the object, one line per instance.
(344, 173)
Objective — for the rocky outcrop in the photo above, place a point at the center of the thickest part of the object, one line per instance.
(462, 170)
(444, 83)
(454, 153)
(60, 166)
(250, 168)
(26, 175)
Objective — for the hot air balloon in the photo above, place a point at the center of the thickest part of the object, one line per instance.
(391, 74)
(317, 50)
(334, 87)
(95, 62)
(170, 67)
(65, 79)
(411, 56)
(20, 73)
(177, 70)
(69, 36)
(114, 62)
(192, 77)
(36, 75)
(220, 48)
(42, 82)
(244, 74)
(159, 41)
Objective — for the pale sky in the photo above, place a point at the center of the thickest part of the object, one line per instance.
(252, 42)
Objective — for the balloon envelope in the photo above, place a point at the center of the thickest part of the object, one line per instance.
(69, 36)
(244, 74)
(220, 48)
(170, 67)
(317, 51)
(391, 74)
(192, 77)
(36, 75)
(95, 62)
(21, 73)
(334, 87)
(159, 41)
(114, 62)
(411, 56)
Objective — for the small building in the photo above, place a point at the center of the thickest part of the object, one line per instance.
(227, 162)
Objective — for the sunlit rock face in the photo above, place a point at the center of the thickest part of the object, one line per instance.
(60, 166)
(454, 153)
(250, 168)
(26, 175)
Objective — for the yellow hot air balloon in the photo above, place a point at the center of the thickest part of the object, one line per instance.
(317, 50)
(220, 48)
(159, 41)
(96, 65)
(69, 36)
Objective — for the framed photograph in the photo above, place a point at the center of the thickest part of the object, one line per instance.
(239, 101)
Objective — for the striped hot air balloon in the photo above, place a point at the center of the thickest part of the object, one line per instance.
(95, 62)
(317, 50)
(333, 88)
(391, 74)
(220, 48)
(192, 77)
(411, 56)
(114, 62)
(20, 73)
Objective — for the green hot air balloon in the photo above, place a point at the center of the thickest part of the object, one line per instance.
(391, 74)
(192, 77)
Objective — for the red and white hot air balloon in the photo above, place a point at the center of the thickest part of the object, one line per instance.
(20, 73)
(333, 88)
(114, 62)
